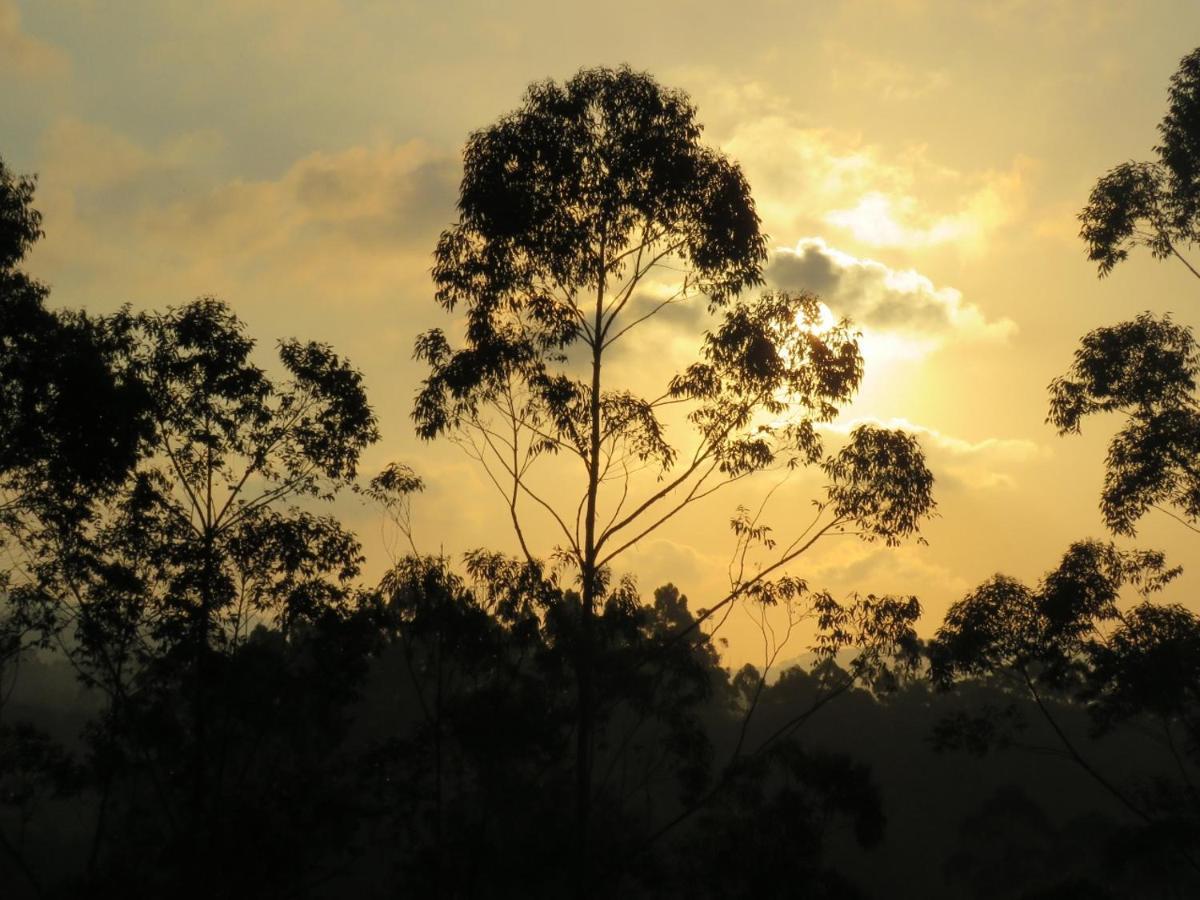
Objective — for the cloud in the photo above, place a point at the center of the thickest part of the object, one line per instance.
(869, 568)
(806, 177)
(888, 79)
(958, 463)
(359, 198)
(880, 219)
(350, 224)
(880, 298)
(22, 52)
(659, 560)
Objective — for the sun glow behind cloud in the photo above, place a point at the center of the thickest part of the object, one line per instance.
(877, 220)
(280, 159)
(883, 300)
(879, 349)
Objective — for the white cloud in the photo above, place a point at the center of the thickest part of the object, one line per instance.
(879, 298)
(880, 219)
(959, 463)
(870, 568)
(806, 176)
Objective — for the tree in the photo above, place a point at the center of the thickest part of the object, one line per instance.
(69, 424)
(586, 212)
(1071, 639)
(1145, 368)
(158, 590)
(1153, 204)
(1146, 371)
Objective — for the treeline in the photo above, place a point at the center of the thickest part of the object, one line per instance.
(254, 720)
(893, 798)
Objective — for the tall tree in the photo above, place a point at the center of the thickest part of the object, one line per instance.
(589, 210)
(1145, 368)
(69, 423)
(155, 593)
(1070, 638)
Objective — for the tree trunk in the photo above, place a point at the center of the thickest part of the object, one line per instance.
(584, 665)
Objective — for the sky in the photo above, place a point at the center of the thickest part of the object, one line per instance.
(918, 163)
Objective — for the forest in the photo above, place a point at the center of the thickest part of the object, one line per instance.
(202, 695)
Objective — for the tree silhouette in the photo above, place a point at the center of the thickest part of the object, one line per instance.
(586, 212)
(1146, 371)
(1146, 368)
(158, 589)
(1153, 204)
(69, 424)
(1070, 639)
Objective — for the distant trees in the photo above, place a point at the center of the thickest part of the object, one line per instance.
(586, 212)
(478, 769)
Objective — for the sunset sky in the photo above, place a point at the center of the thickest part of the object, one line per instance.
(919, 163)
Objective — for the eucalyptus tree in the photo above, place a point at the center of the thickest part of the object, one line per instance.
(1145, 368)
(1153, 204)
(588, 211)
(1072, 638)
(67, 422)
(1145, 371)
(157, 591)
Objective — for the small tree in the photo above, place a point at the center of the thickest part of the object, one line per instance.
(586, 212)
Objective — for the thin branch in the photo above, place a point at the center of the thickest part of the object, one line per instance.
(1182, 521)
(1180, 257)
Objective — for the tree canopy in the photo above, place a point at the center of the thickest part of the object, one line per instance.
(1145, 370)
(584, 214)
(576, 214)
(1154, 204)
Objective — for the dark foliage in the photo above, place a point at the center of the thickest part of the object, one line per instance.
(1145, 370)
(1072, 640)
(1153, 204)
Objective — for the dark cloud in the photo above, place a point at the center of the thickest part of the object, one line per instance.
(878, 297)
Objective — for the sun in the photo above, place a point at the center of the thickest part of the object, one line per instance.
(879, 349)
(823, 323)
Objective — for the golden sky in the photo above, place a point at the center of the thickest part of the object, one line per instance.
(918, 162)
